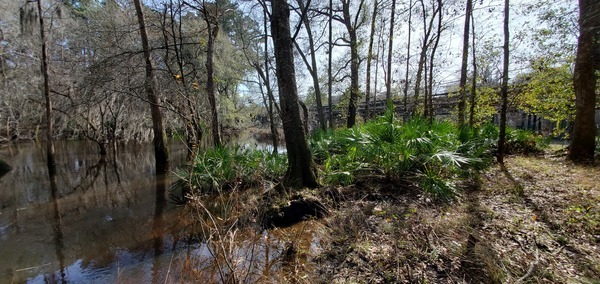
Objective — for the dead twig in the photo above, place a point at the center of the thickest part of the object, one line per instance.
(531, 268)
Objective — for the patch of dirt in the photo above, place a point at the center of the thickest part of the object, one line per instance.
(536, 220)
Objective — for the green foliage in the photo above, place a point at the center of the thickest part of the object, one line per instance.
(224, 168)
(548, 92)
(554, 33)
(486, 100)
(520, 141)
(427, 154)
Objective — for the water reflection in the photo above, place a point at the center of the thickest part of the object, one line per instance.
(110, 221)
(58, 233)
(93, 221)
(158, 225)
(250, 140)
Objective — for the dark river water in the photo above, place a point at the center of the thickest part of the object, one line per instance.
(99, 222)
(111, 222)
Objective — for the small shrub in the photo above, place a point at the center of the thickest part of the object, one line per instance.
(520, 141)
(224, 168)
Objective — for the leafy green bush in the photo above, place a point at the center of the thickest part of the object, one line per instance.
(520, 141)
(427, 154)
(225, 168)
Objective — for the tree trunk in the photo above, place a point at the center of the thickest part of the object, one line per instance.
(423, 55)
(405, 115)
(269, 106)
(388, 83)
(161, 150)
(329, 67)
(504, 95)
(463, 67)
(472, 100)
(377, 61)
(312, 67)
(213, 31)
(267, 79)
(582, 145)
(50, 152)
(426, 88)
(304, 116)
(300, 171)
(429, 97)
(354, 63)
(193, 128)
(369, 59)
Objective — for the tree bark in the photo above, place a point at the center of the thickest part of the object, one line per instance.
(301, 170)
(423, 56)
(329, 67)
(369, 59)
(50, 152)
(269, 105)
(582, 145)
(463, 68)
(304, 116)
(213, 31)
(405, 115)
(472, 100)
(161, 150)
(504, 91)
(267, 78)
(312, 67)
(378, 59)
(429, 95)
(354, 61)
(193, 128)
(388, 83)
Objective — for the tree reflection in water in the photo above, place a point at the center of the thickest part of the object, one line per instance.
(58, 233)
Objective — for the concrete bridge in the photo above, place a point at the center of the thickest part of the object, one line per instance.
(442, 107)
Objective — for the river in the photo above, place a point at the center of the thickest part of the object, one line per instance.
(107, 222)
(98, 222)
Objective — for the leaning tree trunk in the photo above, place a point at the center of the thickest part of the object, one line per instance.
(301, 170)
(49, 139)
(504, 95)
(582, 145)
(161, 150)
(312, 67)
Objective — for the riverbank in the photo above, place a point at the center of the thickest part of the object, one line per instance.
(537, 220)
